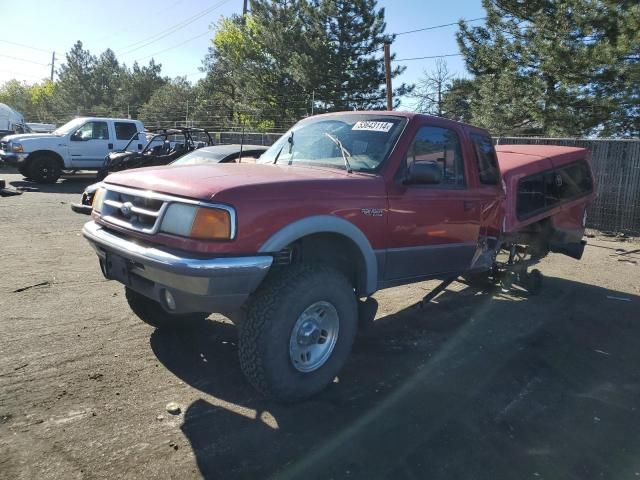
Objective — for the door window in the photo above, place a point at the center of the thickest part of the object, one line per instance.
(440, 146)
(92, 131)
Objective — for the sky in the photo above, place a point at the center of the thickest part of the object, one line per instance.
(177, 33)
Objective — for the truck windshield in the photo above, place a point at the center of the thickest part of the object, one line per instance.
(368, 139)
(69, 127)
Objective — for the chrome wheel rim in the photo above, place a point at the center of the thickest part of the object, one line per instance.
(314, 337)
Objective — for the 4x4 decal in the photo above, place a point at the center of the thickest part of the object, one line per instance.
(373, 212)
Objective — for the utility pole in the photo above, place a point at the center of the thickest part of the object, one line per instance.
(186, 117)
(387, 72)
(313, 100)
(53, 62)
(245, 8)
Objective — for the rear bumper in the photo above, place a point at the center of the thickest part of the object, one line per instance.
(196, 284)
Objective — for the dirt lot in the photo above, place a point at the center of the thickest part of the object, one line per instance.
(478, 385)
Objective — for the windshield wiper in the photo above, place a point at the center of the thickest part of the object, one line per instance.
(290, 140)
(345, 153)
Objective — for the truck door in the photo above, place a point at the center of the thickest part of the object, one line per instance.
(90, 144)
(433, 228)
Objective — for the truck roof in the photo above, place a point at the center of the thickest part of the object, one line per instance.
(530, 159)
(110, 119)
(407, 115)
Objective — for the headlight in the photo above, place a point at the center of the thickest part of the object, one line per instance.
(98, 199)
(17, 147)
(203, 223)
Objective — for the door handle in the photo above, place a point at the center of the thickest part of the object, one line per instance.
(469, 205)
(110, 145)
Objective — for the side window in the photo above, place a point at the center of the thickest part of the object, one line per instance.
(125, 130)
(442, 147)
(535, 194)
(100, 131)
(573, 181)
(486, 158)
(93, 131)
(85, 132)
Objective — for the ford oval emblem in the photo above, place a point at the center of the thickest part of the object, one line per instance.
(126, 208)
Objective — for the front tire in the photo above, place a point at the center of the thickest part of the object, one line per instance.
(24, 171)
(298, 331)
(152, 313)
(44, 169)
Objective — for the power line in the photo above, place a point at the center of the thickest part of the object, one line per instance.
(136, 25)
(430, 56)
(24, 60)
(438, 26)
(25, 46)
(166, 32)
(21, 74)
(175, 46)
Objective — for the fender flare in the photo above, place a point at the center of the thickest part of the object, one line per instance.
(327, 224)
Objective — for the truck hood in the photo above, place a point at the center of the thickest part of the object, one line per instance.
(204, 182)
(21, 137)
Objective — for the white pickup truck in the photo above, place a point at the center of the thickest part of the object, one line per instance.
(80, 144)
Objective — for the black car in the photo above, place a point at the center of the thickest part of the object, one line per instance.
(215, 154)
(222, 154)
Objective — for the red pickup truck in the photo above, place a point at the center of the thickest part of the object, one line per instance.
(342, 205)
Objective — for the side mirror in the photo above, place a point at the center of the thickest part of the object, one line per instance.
(423, 173)
(77, 137)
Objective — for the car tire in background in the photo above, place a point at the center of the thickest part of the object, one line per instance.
(152, 313)
(44, 169)
(298, 331)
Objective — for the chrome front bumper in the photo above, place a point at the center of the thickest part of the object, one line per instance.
(219, 284)
(13, 159)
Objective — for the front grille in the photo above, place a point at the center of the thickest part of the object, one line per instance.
(142, 210)
(4, 146)
(135, 210)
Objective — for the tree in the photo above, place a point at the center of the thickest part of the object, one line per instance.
(456, 101)
(431, 89)
(78, 90)
(169, 104)
(555, 67)
(16, 95)
(270, 65)
(349, 35)
(42, 98)
(108, 77)
(137, 86)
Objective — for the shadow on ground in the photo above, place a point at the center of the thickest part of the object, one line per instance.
(477, 385)
(66, 184)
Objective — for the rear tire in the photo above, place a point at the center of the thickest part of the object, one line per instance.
(152, 313)
(298, 331)
(44, 169)
(534, 281)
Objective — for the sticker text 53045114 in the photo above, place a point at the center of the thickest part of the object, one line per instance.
(373, 126)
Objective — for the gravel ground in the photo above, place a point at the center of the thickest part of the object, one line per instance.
(478, 384)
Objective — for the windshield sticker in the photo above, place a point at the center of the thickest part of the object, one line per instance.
(373, 126)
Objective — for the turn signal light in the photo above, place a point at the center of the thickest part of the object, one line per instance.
(211, 224)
